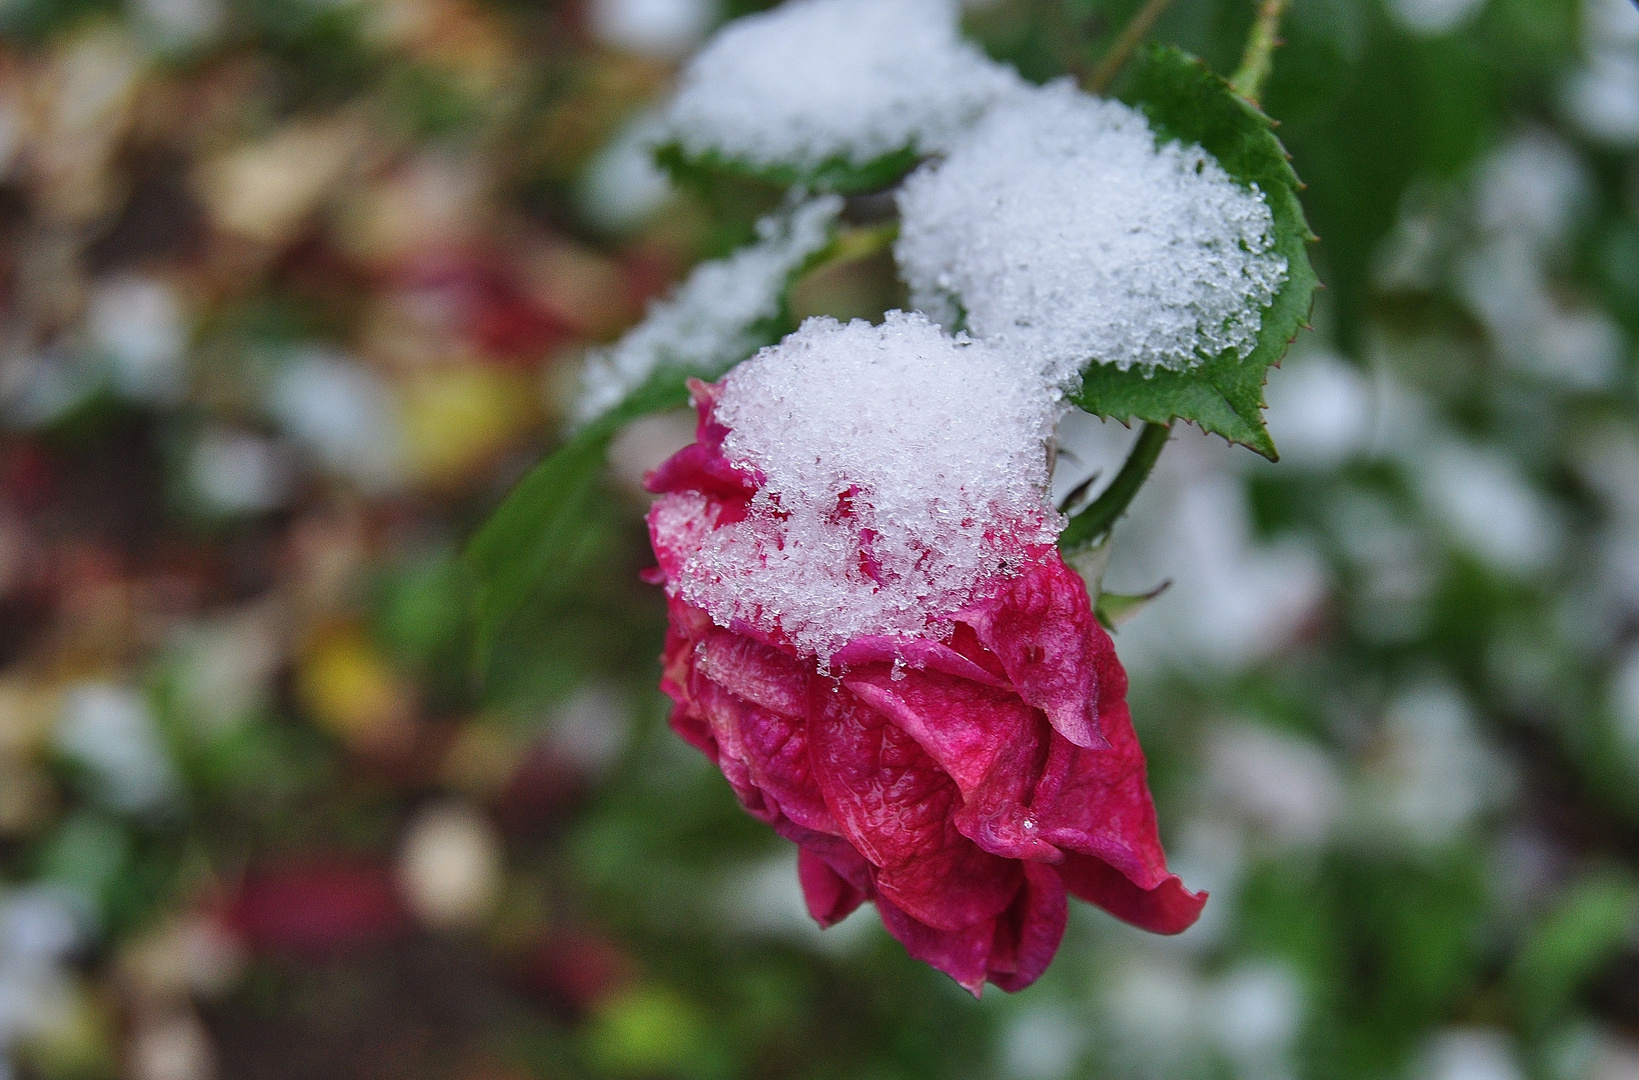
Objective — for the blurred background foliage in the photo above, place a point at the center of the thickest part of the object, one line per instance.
(293, 290)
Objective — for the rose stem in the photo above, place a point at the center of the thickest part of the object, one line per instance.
(1087, 527)
(1116, 58)
(1260, 51)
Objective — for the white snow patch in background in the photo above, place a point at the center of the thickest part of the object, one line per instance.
(1088, 448)
(110, 730)
(1284, 785)
(622, 187)
(935, 442)
(1430, 18)
(1210, 852)
(1602, 97)
(644, 444)
(236, 472)
(1469, 1054)
(1043, 1042)
(1535, 333)
(179, 25)
(1254, 1016)
(765, 899)
(225, 668)
(450, 865)
(708, 320)
(1320, 410)
(1067, 236)
(818, 80)
(1432, 774)
(664, 29)
(40, 927)
(138, 326)
(1488, 508)
(591, 728)
(1157, 1007)
(1235, 597)
(344, 414)
(1624, 702)
(1534, 187)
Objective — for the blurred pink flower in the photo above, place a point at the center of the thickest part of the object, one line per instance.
(964, 785)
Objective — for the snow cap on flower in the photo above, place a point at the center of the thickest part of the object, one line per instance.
(895, 468)
(817, 81)
(1067, 236)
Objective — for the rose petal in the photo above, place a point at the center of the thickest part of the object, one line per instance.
(724, 713)
(918, 653)
(1098, 802)
(1040, 625)
(963, 727)
(1028, 934)
(895, 804)
(1167, 908)
(695, 468)
(755, 671)
(964, 955)
(830, 898)
(776, 752)
(987, 741)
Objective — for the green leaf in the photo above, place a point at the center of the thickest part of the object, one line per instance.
(1185, 101)
(1588, 924)
(1114, 609)
(836, 174)
(537, 542)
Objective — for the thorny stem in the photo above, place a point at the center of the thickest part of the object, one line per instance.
(1260, 50)
(1087, 527)
(1131, 36)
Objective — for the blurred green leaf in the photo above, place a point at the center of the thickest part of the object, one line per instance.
(1185, 101)
(649, 1031)
(1113, 609)
(1570, 943)
(537, 542)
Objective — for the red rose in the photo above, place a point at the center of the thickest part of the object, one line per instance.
(964, 785)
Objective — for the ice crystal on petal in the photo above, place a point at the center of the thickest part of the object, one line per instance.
(815, 81)
(715, 316)
(897, 469)
(1068, 236)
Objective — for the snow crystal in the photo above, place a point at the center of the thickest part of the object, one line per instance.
(710, 320)
(1066, 235)
(820, 80)
(900, 468)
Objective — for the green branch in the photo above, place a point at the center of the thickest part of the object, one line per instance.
(1132, 35)
(1260, 50)
(1087, 527)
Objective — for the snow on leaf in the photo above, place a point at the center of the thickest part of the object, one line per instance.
(726, 310)
(1069, 233)
(1187, 102)
(831, 95)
